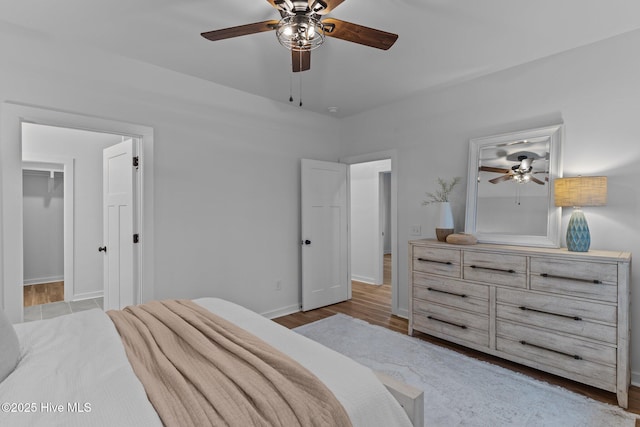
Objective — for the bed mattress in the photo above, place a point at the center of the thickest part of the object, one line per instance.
(74, 372)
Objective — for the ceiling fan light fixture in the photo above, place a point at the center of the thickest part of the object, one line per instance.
(522, 178)
(300, 32)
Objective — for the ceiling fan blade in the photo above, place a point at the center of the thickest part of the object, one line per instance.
(536, 180)
(240, 30)
(331, 4)
(358, 34)
(500, 179)
(492, 169)
(300, 60)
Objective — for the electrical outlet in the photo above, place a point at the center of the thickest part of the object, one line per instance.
(415, 230)
(278, 285)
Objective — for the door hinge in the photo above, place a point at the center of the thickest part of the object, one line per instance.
(136, 238)
(136, 161)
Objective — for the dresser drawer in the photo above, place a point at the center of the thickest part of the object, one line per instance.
(578, 278)
(441, 261)
(450, 292)
(581, 360)
(497, 269)
(581, 318)
(455, 325)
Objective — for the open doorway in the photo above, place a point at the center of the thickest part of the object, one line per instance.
(43, 234)
(47, 232)
(370, 208)
(11, 147)
(62, 267)
(381, 181)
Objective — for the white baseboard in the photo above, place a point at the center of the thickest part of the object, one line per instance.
(635, 378)
(363, 279)
(41, 280)
(88, 295)
(272, 314)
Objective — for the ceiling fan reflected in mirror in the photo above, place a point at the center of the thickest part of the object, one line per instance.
(521, 173)
(302, 28)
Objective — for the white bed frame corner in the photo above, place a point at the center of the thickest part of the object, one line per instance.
(410, 398)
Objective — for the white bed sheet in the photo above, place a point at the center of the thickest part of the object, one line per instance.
(74, 359)
(74, 371)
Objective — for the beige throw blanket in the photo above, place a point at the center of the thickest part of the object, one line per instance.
(199, 370)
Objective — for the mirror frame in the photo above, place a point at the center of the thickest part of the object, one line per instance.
(554, 214)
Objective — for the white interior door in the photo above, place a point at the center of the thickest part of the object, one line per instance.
(118, 215)
(325, 276)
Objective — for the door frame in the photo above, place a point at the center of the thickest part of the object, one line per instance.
(39, 161)
(382, 211)
(370, 157)
(11, 248)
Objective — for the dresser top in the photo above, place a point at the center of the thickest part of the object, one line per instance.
(617, 256)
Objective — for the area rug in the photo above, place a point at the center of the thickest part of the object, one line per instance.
(458, 390)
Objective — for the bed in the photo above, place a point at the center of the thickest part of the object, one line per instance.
(74, 371)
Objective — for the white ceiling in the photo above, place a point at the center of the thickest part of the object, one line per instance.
(440, 41)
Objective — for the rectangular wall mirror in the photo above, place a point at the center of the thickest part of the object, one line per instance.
(510, 187)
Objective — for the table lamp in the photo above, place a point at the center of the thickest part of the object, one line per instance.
(579, 192)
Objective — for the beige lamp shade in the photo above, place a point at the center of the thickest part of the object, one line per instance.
(581, 191)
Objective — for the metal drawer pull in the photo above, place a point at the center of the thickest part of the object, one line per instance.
(493, 269)
(447, 292)
(553, 276)
(573, 356)
(448, 323)
(434, 260)
(523, 308)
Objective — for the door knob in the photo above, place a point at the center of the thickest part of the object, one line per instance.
(306, 242)
(102, 249)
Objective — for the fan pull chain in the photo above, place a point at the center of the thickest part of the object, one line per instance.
(291, 80)
(300, 73)
(299, 82)
(291, 87)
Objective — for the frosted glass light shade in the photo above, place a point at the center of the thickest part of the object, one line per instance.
(300, 32)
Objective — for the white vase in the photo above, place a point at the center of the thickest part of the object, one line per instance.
(444, 226)
(445, 216)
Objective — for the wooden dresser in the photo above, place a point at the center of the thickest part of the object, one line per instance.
(562, 312)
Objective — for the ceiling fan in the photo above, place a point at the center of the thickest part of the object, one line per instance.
(302, 28)
(521, 173)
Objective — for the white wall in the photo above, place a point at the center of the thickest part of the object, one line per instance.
(227, 164)
(594, 90)
(43, 215)
(86, 148)
(365, 220)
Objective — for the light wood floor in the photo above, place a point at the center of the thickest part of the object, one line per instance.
(373, 304)
(43, 293)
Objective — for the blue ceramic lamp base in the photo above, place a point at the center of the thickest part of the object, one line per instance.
(578, 237)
